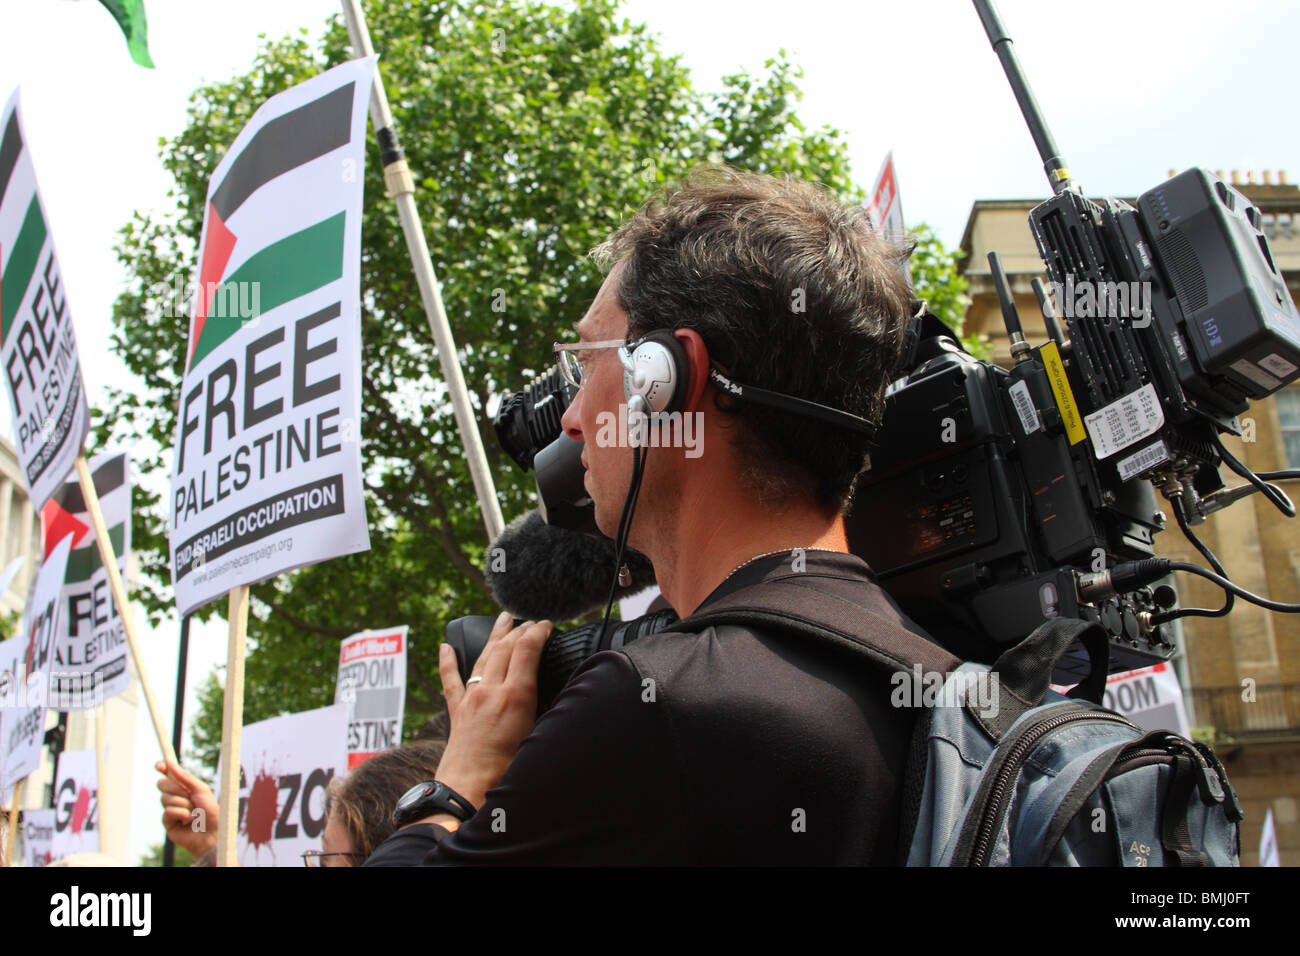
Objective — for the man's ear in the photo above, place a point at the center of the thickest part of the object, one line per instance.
(698, 357)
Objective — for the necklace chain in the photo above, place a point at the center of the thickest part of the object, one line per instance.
(768, 554)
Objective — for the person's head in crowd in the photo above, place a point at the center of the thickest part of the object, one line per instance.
(777, 285)
(359, 807)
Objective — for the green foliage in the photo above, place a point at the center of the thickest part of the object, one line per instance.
(532, 131)
(10, 623)
(154, 856)
(936, 279)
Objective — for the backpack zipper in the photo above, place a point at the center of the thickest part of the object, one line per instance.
(997, 799)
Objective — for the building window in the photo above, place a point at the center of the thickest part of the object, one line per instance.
(1288, 412)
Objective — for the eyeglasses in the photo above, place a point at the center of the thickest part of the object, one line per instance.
(570, 360)
(318, 858)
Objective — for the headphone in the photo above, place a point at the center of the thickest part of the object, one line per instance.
(657, 378)
(656, 373)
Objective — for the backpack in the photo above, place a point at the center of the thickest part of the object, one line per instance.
(1038, 779)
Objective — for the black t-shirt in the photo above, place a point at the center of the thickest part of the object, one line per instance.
(726, 747)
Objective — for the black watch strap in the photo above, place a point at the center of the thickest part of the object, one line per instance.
(426, 799)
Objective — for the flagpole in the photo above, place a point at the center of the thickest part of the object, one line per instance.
(13, 825)
(397, 177)
(100, 711)
(169, 848)
(123, 605)
(232, 719)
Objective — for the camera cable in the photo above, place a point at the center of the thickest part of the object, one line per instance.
(1271, 492)
(1180, 515)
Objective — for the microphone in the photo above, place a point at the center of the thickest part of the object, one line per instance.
(550, 573)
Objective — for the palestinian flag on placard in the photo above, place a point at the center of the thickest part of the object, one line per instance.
(67, 512)
(19, 252)
(37, 336)
(129, 15)
(261, 191)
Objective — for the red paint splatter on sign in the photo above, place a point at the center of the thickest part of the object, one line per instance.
(81, 809)
(263, 809)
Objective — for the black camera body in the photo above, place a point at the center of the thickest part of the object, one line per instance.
(991, 491)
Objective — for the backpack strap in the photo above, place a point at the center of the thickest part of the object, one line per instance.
(1025, 670)
(800, 606)
(803, 608)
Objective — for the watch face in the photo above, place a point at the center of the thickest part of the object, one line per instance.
(413, 796)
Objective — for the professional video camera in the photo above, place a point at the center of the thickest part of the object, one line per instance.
(1014, 496)
(997, 498)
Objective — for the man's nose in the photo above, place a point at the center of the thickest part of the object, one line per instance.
(571, 421)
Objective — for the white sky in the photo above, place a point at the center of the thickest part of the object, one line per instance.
(1130, 89)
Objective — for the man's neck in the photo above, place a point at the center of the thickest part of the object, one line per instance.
(709, 541)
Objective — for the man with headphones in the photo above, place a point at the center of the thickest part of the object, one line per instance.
(774, 314)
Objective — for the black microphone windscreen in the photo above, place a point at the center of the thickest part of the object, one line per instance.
(539, 572)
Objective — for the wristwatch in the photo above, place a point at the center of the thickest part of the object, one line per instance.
(426, 799)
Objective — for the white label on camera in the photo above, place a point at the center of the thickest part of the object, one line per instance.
(1277, 365)
(1146, 458)
(1029, 419)
(1123, 422)
(1255, 374)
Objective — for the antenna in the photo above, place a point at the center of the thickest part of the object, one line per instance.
(1058, 174)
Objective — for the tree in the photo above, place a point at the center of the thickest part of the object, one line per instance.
(535, 129)
(936, 279)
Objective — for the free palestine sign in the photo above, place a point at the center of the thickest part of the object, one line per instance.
(91, 655)
(267, 470)
(38, 345)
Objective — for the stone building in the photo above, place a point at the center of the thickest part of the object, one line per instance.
(1241, 673)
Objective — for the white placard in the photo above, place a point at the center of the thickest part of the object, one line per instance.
(885, 208)
(372, 685)
(267, 469)
(285, 765)
(26, 671)
(91, 656)
(38, 837)
(1150, 697)
(1268, 855)
(76, 804)
(38, 344)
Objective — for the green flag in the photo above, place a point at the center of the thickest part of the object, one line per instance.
(129, 15)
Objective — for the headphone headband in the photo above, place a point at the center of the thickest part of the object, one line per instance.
(788, 403)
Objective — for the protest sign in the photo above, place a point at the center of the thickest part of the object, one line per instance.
(267, 469)
(76, 804)
(38, 837)
(91, 654)
(372, 684)
(1268, 855)
(1150, 697)
(25, 671)
(286, 764)
(38, 345)
(885, 208)
(10, 572)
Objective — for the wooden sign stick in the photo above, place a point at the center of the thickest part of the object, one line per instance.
(13, 826)
(232, 725)
(123, 606)
(100, 713)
